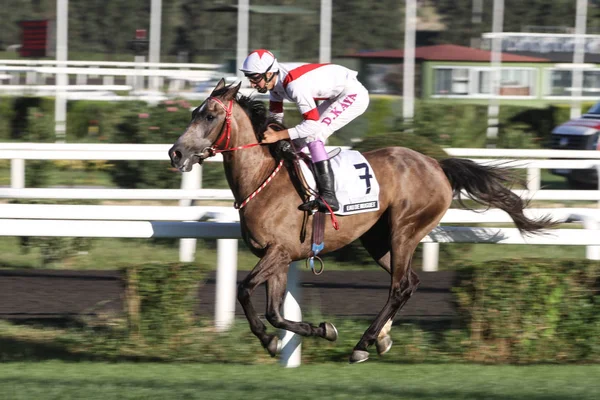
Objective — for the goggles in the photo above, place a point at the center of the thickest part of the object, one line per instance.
(255, 78)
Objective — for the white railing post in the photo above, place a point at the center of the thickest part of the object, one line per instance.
(598, 176)
(291, 343)
(30, 78)
(139, 80)
(592, 252)
(431, 256)
(192, 181)
(226, 285)
(533, 179)
(62, 79)
(17, 173)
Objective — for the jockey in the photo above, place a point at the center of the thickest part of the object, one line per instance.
(343, 99)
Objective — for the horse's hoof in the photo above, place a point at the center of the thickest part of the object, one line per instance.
(359, 356)
(331, 332)
(384, 345)
(274, 346)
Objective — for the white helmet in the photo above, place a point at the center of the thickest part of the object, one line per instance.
(260, 62)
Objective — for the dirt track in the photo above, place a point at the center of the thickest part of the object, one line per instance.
(32, 294)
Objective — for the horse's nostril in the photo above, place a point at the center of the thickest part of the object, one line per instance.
(176, 155)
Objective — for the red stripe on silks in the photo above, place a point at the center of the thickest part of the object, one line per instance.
(298, 72)
(320, 98)
(276, 106)
(313, 115)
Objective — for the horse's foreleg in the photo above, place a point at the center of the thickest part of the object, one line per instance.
(276, 286)
(274, 261)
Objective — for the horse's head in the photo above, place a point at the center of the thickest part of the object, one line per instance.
(209, 128)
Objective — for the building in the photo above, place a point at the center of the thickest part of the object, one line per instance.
(454, 72)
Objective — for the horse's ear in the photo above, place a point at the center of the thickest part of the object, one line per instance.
(232, 91)
(220, 85)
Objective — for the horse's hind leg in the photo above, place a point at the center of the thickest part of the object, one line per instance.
(404, 283)
(276, 286)
(380, 251)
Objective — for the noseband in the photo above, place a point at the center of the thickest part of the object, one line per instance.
(225, 134)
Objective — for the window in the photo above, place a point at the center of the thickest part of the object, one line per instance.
(561, 83)
(452, 81)
(475, 81)
(516, 82)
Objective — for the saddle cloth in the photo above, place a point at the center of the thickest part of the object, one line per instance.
(356, 186)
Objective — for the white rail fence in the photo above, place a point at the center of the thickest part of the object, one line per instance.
(191, 186)
(31, 76)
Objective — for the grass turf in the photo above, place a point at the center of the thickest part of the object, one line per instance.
(61, 380)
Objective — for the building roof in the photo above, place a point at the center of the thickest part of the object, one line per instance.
(447, 52)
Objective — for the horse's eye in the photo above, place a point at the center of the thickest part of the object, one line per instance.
(210, 117)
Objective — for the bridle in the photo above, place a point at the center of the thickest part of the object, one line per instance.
(225, 135)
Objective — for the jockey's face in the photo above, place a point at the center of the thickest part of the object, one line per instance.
(258, 82)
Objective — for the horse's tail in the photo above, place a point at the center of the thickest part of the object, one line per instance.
(490, 186)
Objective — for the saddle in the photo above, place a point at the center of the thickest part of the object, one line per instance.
(284, 150)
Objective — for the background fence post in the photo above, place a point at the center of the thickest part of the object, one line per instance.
(190, 181)
(533, 179)
(226, 284)
(431, 254)
(17, 173)
(292, 343)
(592, 252)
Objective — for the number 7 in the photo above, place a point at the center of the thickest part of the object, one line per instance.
(367, 176)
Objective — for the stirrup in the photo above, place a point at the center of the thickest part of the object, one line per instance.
(318, 205)
(309, 205)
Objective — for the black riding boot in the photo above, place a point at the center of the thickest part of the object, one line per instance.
(326, 185)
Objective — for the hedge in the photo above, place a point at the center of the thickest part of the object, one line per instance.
(520, 311)
(531, 310)
(510, 311)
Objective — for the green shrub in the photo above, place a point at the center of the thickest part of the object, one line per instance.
(160, 299)
(40, 128)
(451, 125)
(6, 117)
(517, 136)
(404, 139)
(92, 121)
(532, 310)
(163, 123)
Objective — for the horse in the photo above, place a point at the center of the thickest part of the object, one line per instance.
(415, 192)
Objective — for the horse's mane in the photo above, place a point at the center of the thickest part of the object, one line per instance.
(257, 112)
